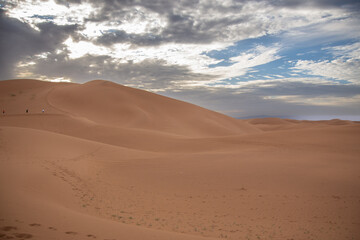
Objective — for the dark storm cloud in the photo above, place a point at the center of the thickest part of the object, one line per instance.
(18, 40)
(165, 6)
(120, 36)
(180, 28)
(149, 74)
(184, 27)
(160, 6)
(44, 17)
(67, 2)
(182, 33)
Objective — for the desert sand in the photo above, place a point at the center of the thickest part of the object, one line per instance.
(105, 161)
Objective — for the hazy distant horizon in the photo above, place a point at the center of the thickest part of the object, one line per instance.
(310, 118)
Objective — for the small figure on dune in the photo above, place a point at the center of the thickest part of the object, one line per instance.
(43, 110)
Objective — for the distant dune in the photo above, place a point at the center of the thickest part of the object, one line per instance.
(105, 161)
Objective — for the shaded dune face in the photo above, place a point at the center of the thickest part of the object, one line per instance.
(105, 161)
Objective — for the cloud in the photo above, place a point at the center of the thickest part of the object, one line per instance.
(349, 4)
(291, 98)
(344, 66)
(205, 22)
(19, 40)
(241, 64)
(317, 101)
(340, 28)
(120, 36)
(68, 2)
(33, 12)
(148, 74)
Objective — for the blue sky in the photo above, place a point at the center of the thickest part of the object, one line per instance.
(294, 59)
(288, 56)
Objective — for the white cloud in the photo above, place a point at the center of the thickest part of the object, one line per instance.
(189, 55)
(199, 64)
(81, 48)
(250, 86)
(337, 28)
(36, 11)
(349, 50)
(242, 63)
(316, 101)
(62, 79)
(340, 69)
(138, 20)
(345, 66)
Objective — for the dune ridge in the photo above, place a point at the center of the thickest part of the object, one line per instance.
(107, 161)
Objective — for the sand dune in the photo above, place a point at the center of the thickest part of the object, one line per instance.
(112, 104)
(110, 162)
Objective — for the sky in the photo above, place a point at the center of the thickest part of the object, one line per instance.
(295, 59)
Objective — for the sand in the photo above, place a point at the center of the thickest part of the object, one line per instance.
(105, 161)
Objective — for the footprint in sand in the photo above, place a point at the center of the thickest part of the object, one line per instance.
(35, 225)
(8, 228)
(19, 236)
(23, 235)
(71, 233)
(91, 236)
(52, 228)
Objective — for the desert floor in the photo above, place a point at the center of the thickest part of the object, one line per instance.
(106, 161)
